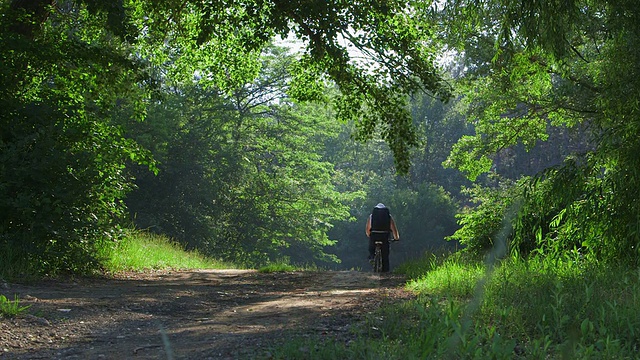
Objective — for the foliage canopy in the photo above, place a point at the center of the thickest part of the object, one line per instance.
(73, 70)
(533, 66)
(77, 77)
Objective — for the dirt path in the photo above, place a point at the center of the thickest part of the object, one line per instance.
(213, 314)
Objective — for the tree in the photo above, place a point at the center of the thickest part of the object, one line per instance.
(62, 161)
(424, 210)
(440, 126)
(562, 64)
(69, 67)
(396, 53)
(241, 175)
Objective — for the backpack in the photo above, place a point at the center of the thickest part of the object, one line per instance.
(380, 219)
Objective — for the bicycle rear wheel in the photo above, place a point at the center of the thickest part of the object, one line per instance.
(377, 260)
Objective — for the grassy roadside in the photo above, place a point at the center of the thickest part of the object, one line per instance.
(538, 309)
(137, 251)
(140, 251)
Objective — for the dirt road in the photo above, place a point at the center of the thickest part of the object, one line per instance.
(212, 314)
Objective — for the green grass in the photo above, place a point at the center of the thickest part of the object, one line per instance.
(536, 309)
(136, 251)
(278, 267)
(452, 277)
(142, 251)
(9, 308)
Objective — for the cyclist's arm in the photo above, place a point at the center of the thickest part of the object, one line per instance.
(394, 230)
(367, 229)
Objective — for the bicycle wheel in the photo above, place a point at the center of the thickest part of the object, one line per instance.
(377, 260)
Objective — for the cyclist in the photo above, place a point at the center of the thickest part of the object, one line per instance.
(379, 225)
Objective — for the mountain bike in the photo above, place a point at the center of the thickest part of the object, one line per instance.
(377, 256)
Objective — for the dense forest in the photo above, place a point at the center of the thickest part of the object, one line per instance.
(259, 131)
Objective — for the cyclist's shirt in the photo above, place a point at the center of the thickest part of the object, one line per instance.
(381, 231)
(380, 220)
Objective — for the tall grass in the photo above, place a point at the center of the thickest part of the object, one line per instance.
(13, 265)
(453, 277)
(536, 309)
(141, 250)
(136, 251)
(578, 309)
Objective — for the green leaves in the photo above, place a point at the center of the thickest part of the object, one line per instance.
(561, 65)
(509, 108)
(62, 159)
(467, 155)
(376, 52)
(308, 82)
(241, 175)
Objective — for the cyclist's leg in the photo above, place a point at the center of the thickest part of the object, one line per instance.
(385, 256)
(372, 247)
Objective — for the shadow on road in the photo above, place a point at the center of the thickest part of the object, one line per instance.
(208, 314)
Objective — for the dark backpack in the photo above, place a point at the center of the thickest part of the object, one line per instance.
(380, 219)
